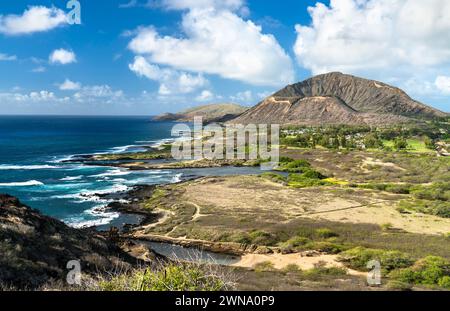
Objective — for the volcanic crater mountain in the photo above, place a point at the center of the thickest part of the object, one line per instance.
(337, 98)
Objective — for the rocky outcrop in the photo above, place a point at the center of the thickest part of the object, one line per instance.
(35, 249)
(336, 98)
(209, 113)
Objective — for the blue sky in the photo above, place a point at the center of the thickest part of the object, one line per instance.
(148, 57)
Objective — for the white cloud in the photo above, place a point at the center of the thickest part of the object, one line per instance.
(397, 40)
(63, 57)
(32, 97)
(34, 19)
(130, 4)
(443, 84)
(69, 85)
(243, 97)
(39, 69)
(98, 92)
(6, 57)
(217, 41)
(171, 81)
(201, 4)
(205, 96)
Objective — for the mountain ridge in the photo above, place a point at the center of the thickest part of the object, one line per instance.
(337, 98)
(220, 112)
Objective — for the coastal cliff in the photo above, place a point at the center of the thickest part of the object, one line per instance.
(35, 249)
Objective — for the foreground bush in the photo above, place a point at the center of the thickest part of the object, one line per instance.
(172, 277)
(430, 271)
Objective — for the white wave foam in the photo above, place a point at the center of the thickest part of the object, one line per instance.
(62, 159)
(115, 172)
(22, 184)
(71, 178)
(93, 195)
(177, 178)
(5, 167)
(99, 211)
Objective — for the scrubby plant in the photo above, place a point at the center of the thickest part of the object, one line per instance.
(297, 166)
(326, 233)
(358, 258)
(169, 277)
(265, 266)
(430, 271)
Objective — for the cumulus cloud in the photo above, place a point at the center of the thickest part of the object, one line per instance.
(171, 81)
(95, 93)
(6, 57)
(205, 96)
(31, 97)
(387, 39)
(243, 97)
(63, 57)
(34, 19)
(217, 41)
(443, 84)
(69, 85)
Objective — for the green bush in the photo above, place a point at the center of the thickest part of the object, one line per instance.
(358, 258)
(326, 233)
(436, 208)
(173, 277)
(265, 266)
(294, 244)
(313, 174)
(263, 238)
(431, 271)
(325, 247)
(297, 166)
(398, 285)
(321, 270)
(286, 160)
(300, 181)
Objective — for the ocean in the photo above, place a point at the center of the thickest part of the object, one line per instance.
(33, 148)
(32, 168)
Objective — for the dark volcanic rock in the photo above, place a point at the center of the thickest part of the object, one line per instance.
(336, 98)
(35, 249)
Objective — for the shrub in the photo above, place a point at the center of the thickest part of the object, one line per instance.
(358, 258)
(262, 238)
(294, 244)
(312, 174)
(297, 166)
(398, 285)
(445, 282)
(265, 266)
(436, 208)
(285, 160)
(173, 277)
(291, 268)
(300, 181)
(326, 233)
(321, 269)
(326, 247)
(430, 271)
